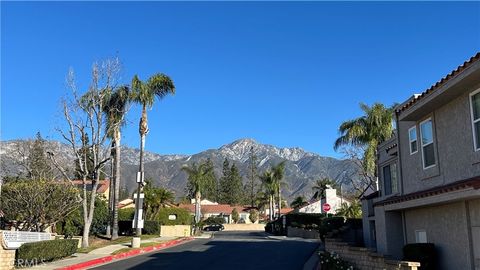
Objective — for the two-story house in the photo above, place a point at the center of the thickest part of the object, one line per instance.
(429, 174)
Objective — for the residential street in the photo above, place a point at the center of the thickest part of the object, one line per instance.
(226, 250)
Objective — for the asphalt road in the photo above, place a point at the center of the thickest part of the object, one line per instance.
(226, 250)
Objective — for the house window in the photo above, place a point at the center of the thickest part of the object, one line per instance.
(420, 236)
(475, 110)
(412, 137)
(428, 152)
(390, 179)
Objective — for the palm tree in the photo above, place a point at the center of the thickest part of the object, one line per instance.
(197, 181)
(278, 173)
(155, 199)
(367, 131)
(354, 210)
(298, 202)
(268, 185)
(321, 185)
(144, 93)
(115, 109)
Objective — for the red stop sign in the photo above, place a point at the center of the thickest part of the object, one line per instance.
(326, 207)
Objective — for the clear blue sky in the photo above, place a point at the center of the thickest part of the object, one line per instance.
(282, 73)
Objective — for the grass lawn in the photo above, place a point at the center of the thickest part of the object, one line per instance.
(142, 245)
(97, 242)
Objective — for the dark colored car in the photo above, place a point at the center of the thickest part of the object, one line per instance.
(214, 227)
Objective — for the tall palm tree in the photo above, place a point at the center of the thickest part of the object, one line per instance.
(374, 127)
(115, 109)
(278, 173)
(197, 181)
(321, 185)
(144, 93)
(269, 187)
(298, 202)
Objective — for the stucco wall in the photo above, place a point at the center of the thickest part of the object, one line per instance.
(474, 211)
(244, 227)
(446, 227)
(175, 231)
(365, 259)
(455, 156)
(7, 257)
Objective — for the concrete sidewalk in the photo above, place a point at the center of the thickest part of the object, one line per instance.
(92, 255)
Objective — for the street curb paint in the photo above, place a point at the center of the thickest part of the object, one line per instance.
(135, 252)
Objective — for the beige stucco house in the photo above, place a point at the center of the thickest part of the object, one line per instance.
(429, 174)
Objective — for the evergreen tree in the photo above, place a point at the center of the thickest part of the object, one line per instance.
(252, 177)
(236, 186)
(210, 191)
(39, 166)
(224, 182)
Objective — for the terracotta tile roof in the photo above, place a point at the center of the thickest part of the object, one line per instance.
(459, 185)
(102, 187)
(284, 211)
(213, 209)
(438, 84)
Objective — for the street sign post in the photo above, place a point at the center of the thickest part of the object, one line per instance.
(326, 207)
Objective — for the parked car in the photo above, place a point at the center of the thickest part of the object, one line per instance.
(214, 227)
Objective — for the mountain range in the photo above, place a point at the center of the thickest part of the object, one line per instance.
(302, 168)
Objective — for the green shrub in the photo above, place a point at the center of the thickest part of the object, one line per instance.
(329, 224)
(424, 253)
(253, 215)
(332, 261)
(73, 223)
(151, 227)
(126, 213)
(45, 251)
(125, 227)
(183, 217)
(235, 215)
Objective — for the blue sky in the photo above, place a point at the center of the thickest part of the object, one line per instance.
(282, 73)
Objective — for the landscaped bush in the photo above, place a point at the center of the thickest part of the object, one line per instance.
(303, 218)
(332, 261)
(125, 227)
(424, 253)
(151, 227)
(45, 251)
(126, 213)
(329, 224)
(72, 224)
(183, 217)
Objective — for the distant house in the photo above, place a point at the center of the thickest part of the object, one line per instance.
(212, 209)
(331, 198)
(103, 187)
(429, 174)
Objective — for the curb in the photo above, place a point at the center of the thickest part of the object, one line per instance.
(111, 258)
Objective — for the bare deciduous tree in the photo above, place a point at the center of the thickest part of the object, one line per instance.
(85, 119)
(364, 179)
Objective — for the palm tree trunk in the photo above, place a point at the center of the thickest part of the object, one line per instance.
(197, 206)
(111, 193)
(270, 201)
(143, 128)
(116, 185)
(279, 203)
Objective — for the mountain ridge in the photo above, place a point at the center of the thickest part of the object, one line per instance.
(302, 168)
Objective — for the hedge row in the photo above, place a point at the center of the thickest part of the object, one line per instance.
(45, 251)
